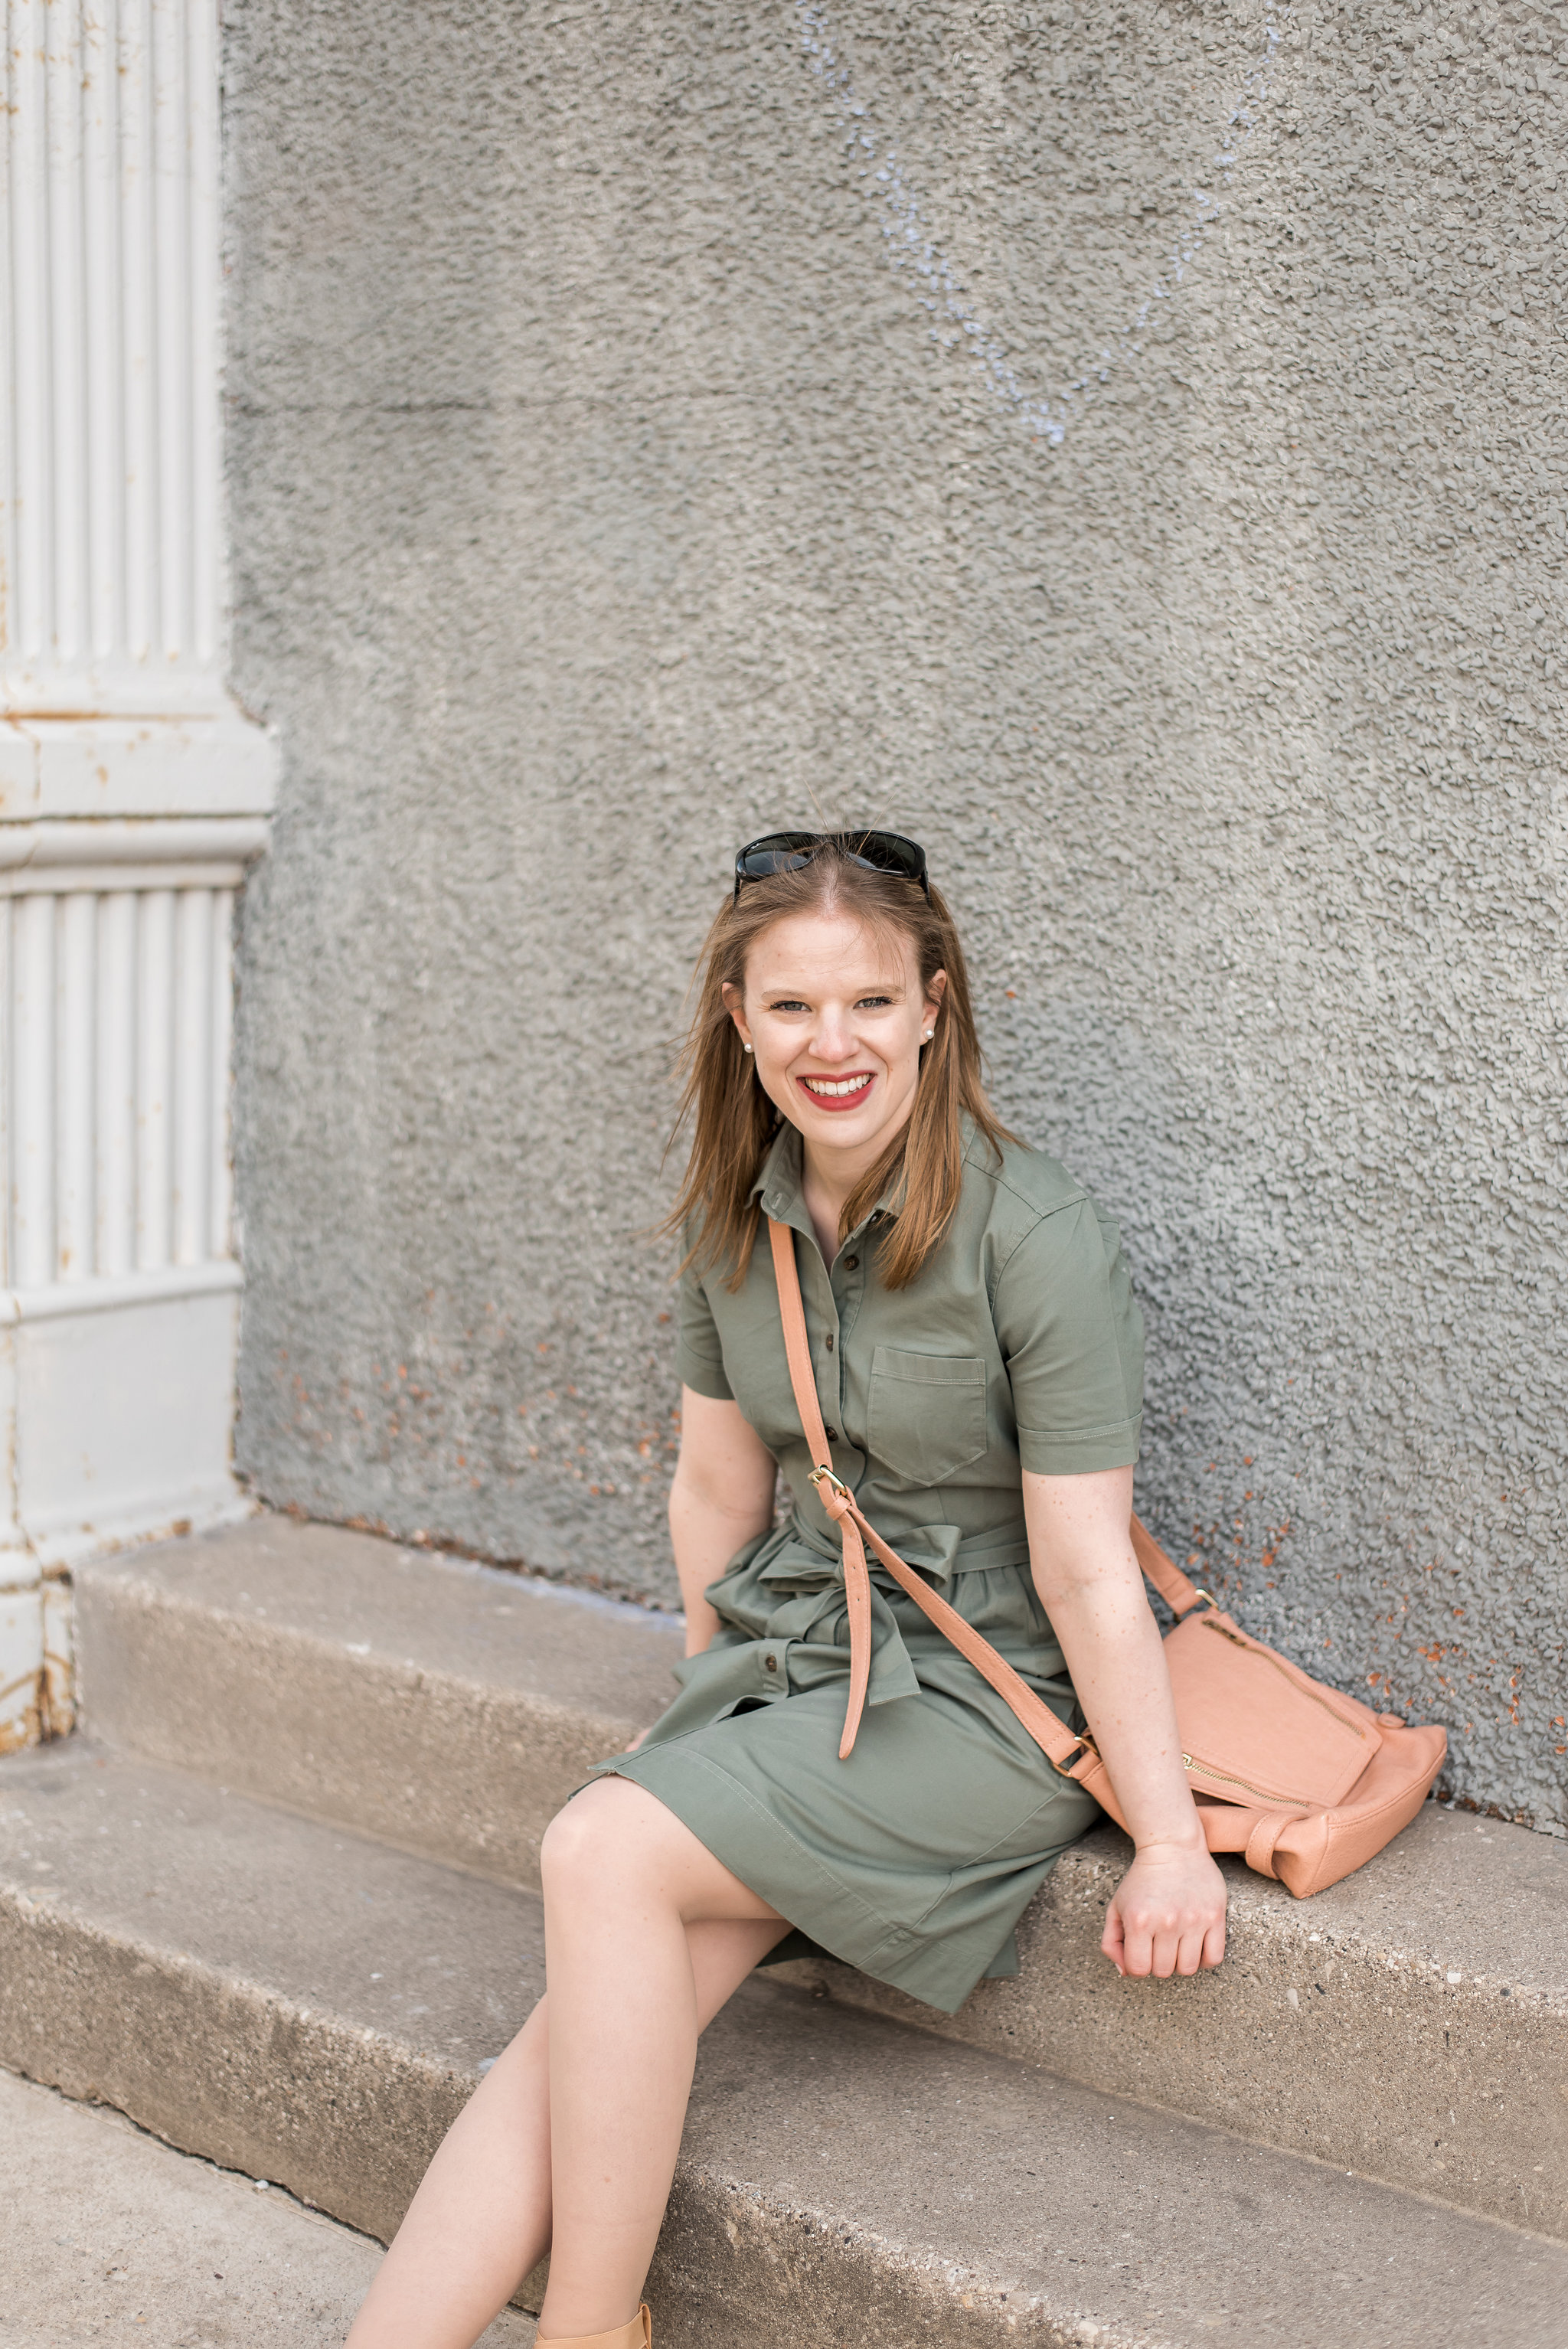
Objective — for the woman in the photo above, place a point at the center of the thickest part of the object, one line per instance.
(979, 1363)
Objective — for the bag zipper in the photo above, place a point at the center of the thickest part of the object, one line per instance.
(1263, 1794)
(1286, 1674)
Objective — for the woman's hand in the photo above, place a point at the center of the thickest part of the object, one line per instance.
(1168, 1915)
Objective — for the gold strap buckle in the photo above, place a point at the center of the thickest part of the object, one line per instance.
(1084, 1745)
(825, 1476)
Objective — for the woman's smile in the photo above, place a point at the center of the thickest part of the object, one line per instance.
(838, 1093)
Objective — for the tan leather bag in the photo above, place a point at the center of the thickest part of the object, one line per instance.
(1304, 1783)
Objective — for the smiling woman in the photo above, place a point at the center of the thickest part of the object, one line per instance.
(969, 1375)
(851, 991)
(838, 1013)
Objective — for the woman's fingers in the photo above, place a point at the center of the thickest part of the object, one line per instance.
(1167, 1916)
(1165, 1953)
(1167, 1949)
(1137, 1955)
(1133, 1950)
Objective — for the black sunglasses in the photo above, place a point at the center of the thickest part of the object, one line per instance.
(786, 852)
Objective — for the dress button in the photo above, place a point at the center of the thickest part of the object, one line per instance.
(833, 1435)
(771, 1663)
(828, 1341)
(852, 1264)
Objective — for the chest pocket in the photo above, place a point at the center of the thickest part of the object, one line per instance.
(926, 1413)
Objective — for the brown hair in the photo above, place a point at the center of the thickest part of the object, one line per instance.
(734, 1121)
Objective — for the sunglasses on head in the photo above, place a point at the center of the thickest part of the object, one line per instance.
(787, 852)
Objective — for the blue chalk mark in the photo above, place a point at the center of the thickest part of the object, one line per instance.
(1049, 415)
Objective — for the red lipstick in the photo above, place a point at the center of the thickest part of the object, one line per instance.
(863, 1080)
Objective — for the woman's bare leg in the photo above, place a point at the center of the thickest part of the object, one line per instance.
(624, 1883)
(483, 2218)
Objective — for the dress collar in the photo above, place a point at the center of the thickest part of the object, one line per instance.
(779, 1187)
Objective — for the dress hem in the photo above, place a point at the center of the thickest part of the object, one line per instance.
(741, 1833)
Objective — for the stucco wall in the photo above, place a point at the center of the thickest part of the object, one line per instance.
(652, 422)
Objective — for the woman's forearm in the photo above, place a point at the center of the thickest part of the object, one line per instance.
(722, 1497)
(1114, 1654)
(705, 1535)
(1168, 1913)
(1090, 1587)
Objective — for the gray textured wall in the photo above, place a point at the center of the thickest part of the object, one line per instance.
(654, 422)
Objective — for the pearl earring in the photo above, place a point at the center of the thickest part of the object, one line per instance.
(745, 1047)
(928, 1035)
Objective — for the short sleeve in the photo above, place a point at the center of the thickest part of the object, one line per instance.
(700, 1357)
(1072, 1337)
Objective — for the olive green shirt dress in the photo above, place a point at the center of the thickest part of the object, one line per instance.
(1018, 1345)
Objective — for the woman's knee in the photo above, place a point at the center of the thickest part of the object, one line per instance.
(607, 1833)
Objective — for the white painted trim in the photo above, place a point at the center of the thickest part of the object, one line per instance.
(93, 880)
(26, 848)
(109, 459)
(133, 797)
(114, 1094)
(124, 1415)
(62, 1544)
(55, 1297)
(217, 763)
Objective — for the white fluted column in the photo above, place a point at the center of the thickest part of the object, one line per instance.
(126, 823)
(110, 454)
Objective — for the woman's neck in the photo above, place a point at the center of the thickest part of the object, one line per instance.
(827, 1179)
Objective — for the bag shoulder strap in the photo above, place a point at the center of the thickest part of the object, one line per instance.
(1071, 1754)
(857, 1580)
(797, 1343)
(1179, 1594)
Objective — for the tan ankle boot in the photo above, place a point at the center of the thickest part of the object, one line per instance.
(638, 2334)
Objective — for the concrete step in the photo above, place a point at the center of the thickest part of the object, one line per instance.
(106, 2229)
(1410, 2023)
(308, 2006)
(445, 1706)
